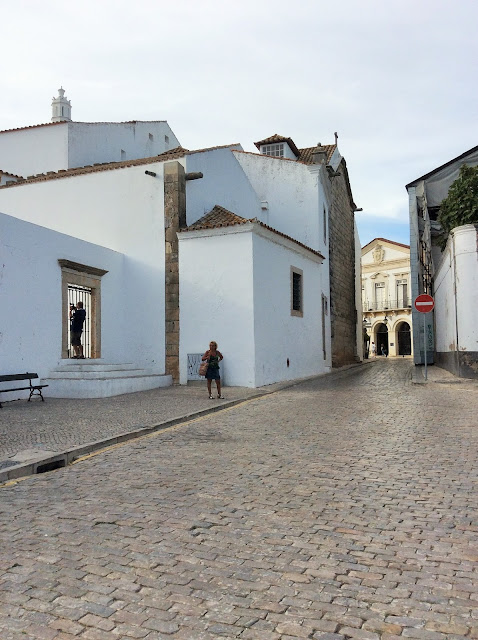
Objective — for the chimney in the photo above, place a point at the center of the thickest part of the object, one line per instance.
(319, 154)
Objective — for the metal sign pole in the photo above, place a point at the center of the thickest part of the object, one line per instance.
(425, 342)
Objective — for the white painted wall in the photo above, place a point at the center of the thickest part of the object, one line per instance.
(456, 293)
(34, 150)
(223, 183)
(235, 289)
(122, 210)
(67, 145)
(278, 335)
(91, 142)
(291, 192)
(31, 300)
(216, 300)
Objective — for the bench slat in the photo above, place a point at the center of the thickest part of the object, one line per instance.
(19, 376)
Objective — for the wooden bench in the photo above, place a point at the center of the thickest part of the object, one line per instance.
(34, 389)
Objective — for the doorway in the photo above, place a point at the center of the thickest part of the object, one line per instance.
(404, 340)
(80, 294)
(382, 338)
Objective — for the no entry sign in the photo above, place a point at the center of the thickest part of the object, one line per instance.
(424, 303)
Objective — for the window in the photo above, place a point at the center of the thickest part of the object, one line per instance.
(402, 300)
(151, 137)
(325, 311)
(166, 141)
(123, 154)
(379, 295)
(325, 224)
(296, 287)
(276, 150)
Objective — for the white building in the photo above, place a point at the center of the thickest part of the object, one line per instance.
(450, 276)
(63, 144)
(171, 251)
(386, 299)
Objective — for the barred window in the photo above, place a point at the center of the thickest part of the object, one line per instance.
(296, 283)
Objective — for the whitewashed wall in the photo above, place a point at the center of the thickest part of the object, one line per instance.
(445, 303)
(35, 150)
(65, 145)
(91, 142)
(122, 210)
(278, 335)
(223, 183)
(291, 192)
(235, 288)
(31, 297)
(456, 293)
(216, 300)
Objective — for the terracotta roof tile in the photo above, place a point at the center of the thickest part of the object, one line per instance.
(305, 155)
(217, 217)
(12, 175)
(220, 217)
(52, 124)
(399, 244)
(276, 138)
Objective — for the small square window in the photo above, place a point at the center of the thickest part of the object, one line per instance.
(296, 289)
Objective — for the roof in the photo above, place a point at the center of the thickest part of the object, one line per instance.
(220, 217)
(172, 154)
(305, 155)
(276, 138)
(7, 173)
(399, 244)
(443, 166)
(53, 124)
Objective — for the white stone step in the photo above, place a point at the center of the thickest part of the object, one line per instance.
(82, 374)
(89, 379)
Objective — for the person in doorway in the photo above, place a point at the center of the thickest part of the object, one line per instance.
(214, 357)
(77, 319)
(373, 349)
(384, 350)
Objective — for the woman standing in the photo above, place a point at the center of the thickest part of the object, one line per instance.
(214, 357)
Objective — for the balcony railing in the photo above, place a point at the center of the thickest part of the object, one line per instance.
(384, 305)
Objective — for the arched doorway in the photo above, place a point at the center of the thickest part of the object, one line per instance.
(382, 338)
(404, 340)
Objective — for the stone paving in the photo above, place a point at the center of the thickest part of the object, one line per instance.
(343, 507)
(59, 423)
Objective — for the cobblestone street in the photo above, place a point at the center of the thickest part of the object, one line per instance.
(342, 507)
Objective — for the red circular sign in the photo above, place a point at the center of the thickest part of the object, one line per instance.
(424, 303)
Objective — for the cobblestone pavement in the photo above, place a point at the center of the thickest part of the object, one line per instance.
(59, 423)
(343, 507)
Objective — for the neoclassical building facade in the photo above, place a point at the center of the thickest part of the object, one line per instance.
(386, 297)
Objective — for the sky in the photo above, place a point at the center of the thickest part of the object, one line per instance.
(396, 79)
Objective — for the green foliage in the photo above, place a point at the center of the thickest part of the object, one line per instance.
(461, 204)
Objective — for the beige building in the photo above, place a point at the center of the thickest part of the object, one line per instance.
(386, 297)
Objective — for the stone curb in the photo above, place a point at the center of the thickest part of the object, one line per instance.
(62, 459)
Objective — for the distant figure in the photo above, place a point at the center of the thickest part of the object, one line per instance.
(214, 357)
(77, 319)
(373, 349)
(383, 350)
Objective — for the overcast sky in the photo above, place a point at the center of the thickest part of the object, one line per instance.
(396, 79)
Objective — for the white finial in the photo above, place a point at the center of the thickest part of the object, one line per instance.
(61, 108)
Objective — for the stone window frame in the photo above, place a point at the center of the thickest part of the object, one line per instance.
(297, 312)
(84, 276)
